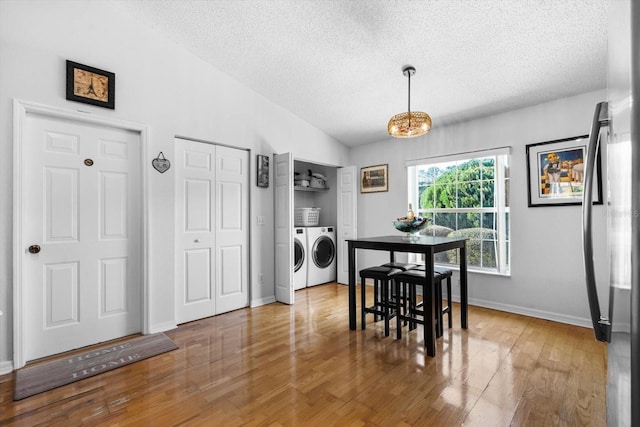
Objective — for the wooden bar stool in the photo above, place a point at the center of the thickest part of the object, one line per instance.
(448, 309)
(403, 295)
(441, 273)
(382, 307)
(420, 313)
(407, 282)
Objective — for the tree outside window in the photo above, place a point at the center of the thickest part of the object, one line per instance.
(467, 198)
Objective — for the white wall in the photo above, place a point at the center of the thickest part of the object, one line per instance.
(547, 276)
(157, 84)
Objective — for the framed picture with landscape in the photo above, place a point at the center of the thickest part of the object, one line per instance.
(374, 179)
(555, 172)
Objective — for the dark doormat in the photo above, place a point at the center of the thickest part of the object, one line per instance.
(56, 373)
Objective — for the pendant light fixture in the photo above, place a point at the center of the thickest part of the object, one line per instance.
(411, 123)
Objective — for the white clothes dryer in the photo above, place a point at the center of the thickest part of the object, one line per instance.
(300, 258)
(321, 246)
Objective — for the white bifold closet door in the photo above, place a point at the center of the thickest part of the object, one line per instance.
(212, 188)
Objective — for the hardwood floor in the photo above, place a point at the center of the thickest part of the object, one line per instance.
(299, 365)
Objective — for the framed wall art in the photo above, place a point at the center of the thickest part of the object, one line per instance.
(263, 171)
(374, 179)
(91, 85)
(555, 172)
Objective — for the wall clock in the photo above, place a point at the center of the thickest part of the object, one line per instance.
(90, 85)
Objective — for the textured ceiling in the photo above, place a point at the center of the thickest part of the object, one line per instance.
(338, 63)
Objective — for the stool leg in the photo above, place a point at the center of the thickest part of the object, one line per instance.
(413, 304)
(396, 284)
(376, 298)
(449, 306)
(363, 302)
(385, 303)
(405, 301)
(438, 309)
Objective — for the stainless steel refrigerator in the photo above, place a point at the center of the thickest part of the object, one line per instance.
(615, 128)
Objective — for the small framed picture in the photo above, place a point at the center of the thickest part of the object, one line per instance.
(263, 171)
(91, 85)
(374, 179)
(555, 172)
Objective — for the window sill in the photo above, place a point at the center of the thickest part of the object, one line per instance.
(456, 267)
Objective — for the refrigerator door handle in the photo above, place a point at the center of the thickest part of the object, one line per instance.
(601, 325)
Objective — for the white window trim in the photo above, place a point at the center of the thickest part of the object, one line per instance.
(412, 182)
(466, 155)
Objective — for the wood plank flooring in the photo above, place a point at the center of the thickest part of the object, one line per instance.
(299, 365)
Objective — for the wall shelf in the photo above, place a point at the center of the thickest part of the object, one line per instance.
(311, 189)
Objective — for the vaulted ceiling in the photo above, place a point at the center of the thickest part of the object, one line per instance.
(338, 63)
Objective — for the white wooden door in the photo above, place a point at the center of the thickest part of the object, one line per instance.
(347, 217)
(82, 222)
(283, 179)
(212, 187)
(195, 235)
(232, 181)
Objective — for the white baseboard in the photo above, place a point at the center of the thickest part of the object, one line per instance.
(6, 367)
(531, 312)
(262, 301)
(527, 311)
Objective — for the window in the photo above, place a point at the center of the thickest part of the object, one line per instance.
(466, 195)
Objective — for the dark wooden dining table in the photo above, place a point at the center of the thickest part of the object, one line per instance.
(427, 245)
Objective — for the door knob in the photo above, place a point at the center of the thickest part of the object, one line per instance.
(34, 249)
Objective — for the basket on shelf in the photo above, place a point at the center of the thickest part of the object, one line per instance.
(306, 217)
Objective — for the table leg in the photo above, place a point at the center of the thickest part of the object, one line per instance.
(464, 305)
(352, 286)
(429, 311)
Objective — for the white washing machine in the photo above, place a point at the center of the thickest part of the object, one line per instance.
(300, 258)
(321, 247)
